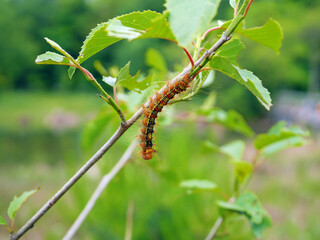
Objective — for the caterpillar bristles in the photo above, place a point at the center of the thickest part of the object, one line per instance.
(156, 104)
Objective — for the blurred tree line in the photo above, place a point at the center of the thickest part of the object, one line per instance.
(23, 24)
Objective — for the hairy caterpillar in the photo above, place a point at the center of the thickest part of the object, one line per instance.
(157, 102)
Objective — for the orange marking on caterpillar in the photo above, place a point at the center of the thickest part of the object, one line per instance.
(157, 102)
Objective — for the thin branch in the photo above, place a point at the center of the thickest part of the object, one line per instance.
(129, 224)
(101, 187)
(103, 98)
(109, 99)
(97, 156)
(198, 65)
(218, 223)
(215, 228)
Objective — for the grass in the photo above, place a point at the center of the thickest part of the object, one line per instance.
(30, 111)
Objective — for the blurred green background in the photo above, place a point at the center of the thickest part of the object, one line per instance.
(43, 114)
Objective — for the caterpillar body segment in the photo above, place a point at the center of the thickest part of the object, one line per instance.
(156, 104)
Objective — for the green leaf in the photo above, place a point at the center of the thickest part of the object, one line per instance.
(280, 137)
(284, 144)
(278, 132)
(277, 128)
(57, 59)
(231, 50)
(231, 120)
(158, 65)
(71, 71)
(135, 25)
(53, 58)
(257, 215)
(249, 205)
(244, 77)
(111, 81)
(233, 3)
(17, 202)
(196, 184)
(269, 35)
(257, 229)
(206, 78)
(58, 48)
(252, 206)
(189, 18)
(126, 80)
(223, 205)
(210, 12)
(242, 173)
(155, 60)
(253, 83)
(2, 221)
(234, 150)
(203, 79)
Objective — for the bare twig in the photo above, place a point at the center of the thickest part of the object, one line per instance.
(218, 223)
(214, 229)
(129, 224)
(101, 187)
